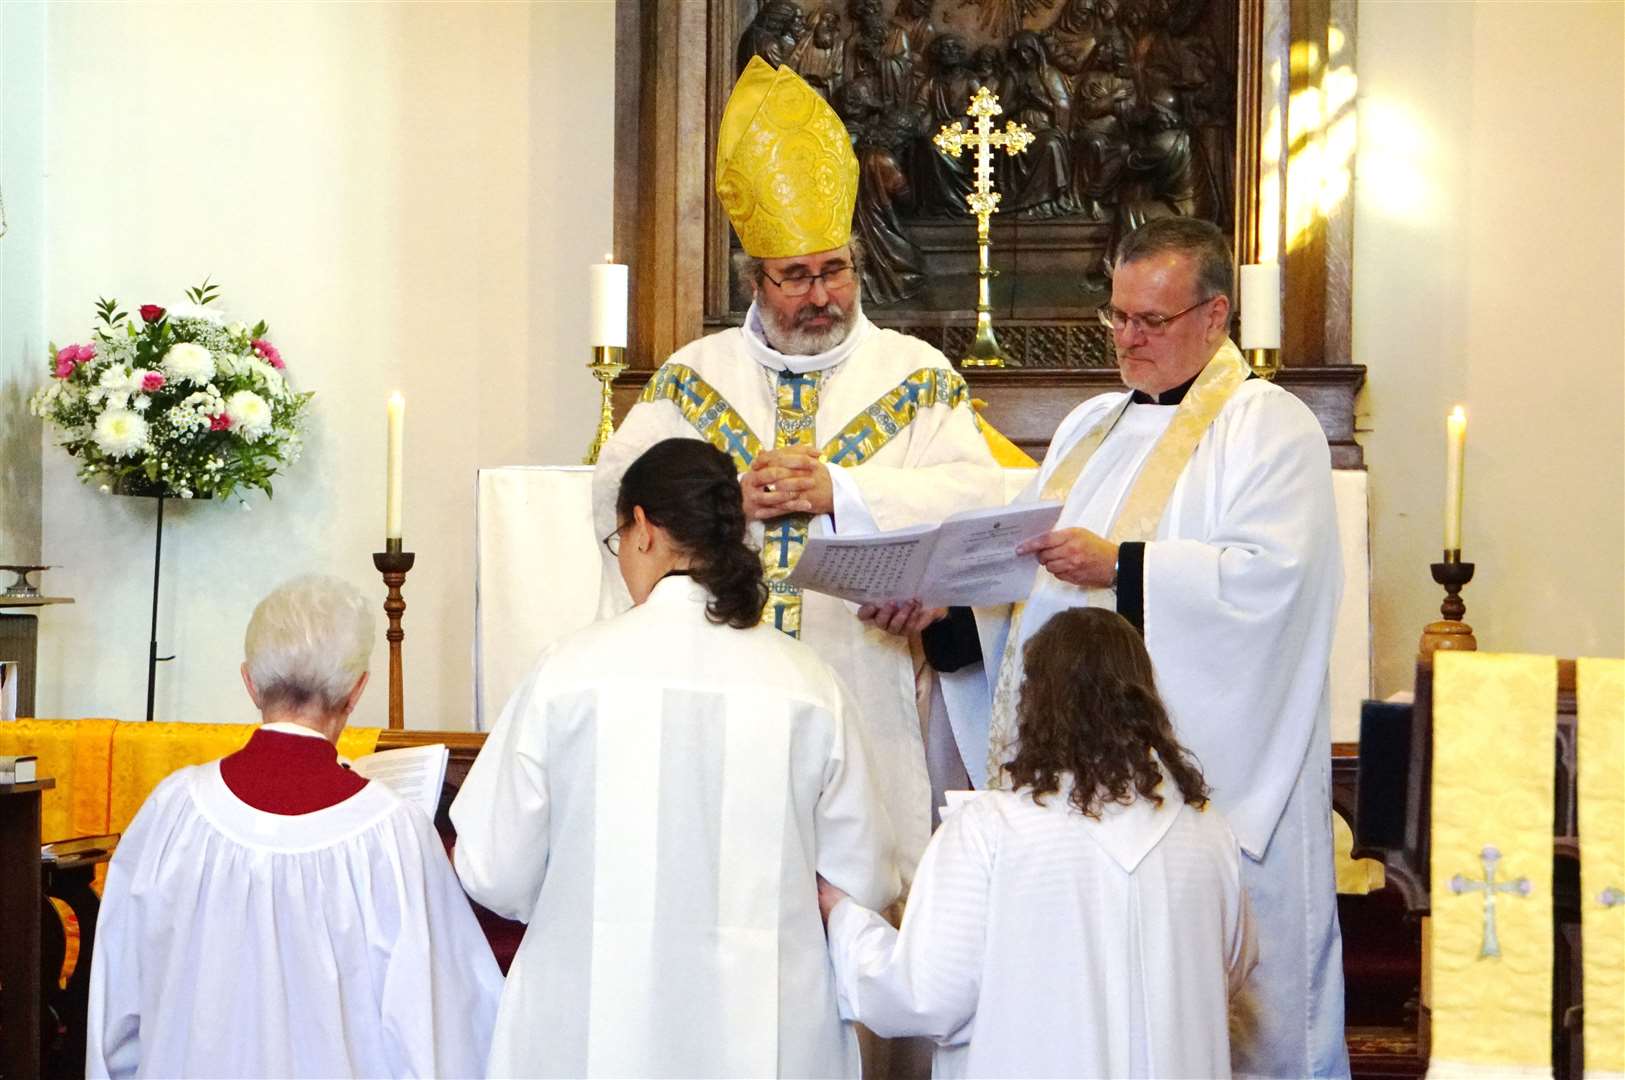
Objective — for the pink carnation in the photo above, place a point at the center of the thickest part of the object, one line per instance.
(152, 380)
(219, 422)
(269, 353)
(70, 356)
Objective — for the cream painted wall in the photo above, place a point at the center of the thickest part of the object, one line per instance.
(22, 255)
(1489, 262)
(408, 193)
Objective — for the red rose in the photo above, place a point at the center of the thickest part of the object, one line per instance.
(151, 312)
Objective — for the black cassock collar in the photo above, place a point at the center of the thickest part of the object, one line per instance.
(1167, 397)
(1174, 396)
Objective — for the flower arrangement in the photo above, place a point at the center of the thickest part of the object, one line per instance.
(178, 402)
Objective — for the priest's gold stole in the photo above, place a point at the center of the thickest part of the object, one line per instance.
(1599, 687)
(1494, 738)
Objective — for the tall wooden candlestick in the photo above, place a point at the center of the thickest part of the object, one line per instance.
(393, 563)
(1449, 633)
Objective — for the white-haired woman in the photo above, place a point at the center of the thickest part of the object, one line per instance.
(273, 914)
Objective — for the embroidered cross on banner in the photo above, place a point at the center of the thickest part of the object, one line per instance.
(1489, 887)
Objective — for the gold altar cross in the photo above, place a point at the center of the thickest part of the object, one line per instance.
(953, 138)
(983, 201)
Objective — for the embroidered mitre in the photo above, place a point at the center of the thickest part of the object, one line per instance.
(785, 172)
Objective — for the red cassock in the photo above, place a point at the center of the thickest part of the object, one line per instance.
(288, 774)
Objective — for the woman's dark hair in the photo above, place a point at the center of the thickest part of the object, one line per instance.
(1089, 706)
(690, 489)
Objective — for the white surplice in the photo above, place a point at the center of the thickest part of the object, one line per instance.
(938, 464)
(655, 803)
(1039, 942)
(1241, 587)
(233, 942)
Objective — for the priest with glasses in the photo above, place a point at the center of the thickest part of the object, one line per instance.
(1197, 504)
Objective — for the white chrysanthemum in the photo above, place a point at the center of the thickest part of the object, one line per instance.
(269, 377)
(189, 362)
(249, 414)
(118, 379)
(140, 403)
(121, 433)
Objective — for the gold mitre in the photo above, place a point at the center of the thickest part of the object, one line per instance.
(786, 173)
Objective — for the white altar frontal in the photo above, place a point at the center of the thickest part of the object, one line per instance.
(538, 571)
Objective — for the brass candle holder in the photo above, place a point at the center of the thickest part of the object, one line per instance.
(606, 364)
(1266, 363)
(1450, 633)
(393, 563)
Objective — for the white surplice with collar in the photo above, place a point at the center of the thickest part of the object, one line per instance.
(1041, 942)
(1241, 582)
(656, 802)
(237, 942)
(895, 424)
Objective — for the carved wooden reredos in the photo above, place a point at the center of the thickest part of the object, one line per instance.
(1141, 108)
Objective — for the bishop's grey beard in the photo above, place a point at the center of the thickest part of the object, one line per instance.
(791, 337)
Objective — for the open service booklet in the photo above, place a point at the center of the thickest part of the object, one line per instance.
(969, 559)
(415, 773)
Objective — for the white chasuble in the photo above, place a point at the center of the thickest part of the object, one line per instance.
(1038, 942)
(1241, 585)
(656, 802)
(234, 942)
(903, 447)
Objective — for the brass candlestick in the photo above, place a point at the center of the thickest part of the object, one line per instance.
(1450, 632)
(1266, 363)
(983, 201)
(606, 364)
(393, 563)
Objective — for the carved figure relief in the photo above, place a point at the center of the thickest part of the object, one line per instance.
(1132, 103)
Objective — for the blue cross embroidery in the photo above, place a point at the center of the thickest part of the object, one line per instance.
(911, 393)
(784, 534)
(797, 384)
(735, 440)
(686, 385)
(850, 443)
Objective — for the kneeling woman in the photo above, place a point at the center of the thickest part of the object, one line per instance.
(1091, 922)
(657, 801)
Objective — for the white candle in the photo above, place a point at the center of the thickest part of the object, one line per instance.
(1455, 447)
(608, 303)
(1261, 306)
(392, 501)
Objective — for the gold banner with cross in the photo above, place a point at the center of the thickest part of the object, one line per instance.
(1600, 736)
(1494, 733)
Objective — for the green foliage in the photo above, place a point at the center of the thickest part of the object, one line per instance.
(203, 294)
(109, 314)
